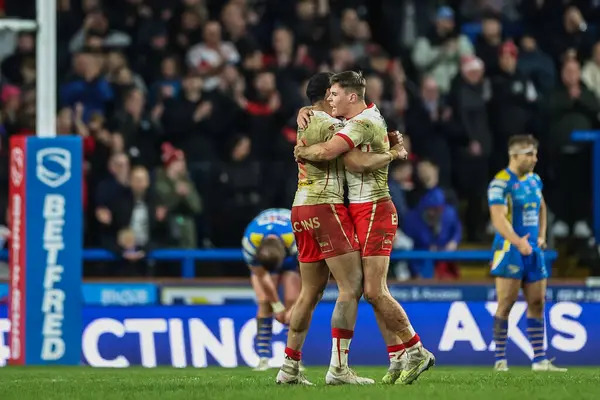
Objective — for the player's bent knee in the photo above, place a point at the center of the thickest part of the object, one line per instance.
(373, 293)
(536, 306)
(504, 307)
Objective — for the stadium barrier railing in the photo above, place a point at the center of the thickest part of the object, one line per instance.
(188, 258)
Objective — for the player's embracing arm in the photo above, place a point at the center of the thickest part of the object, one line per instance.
(363, 162)
(498, 191)
(543, 222)
(350, 136)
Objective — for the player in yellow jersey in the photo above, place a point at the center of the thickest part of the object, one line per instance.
(326, 242)
(373, 214)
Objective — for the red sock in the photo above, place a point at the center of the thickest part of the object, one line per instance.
(395, 351)
(340, 333)
(414, 342)
(293, 354)
(341, 346)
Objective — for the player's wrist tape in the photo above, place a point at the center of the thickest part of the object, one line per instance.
(394, 155)
(277, 307)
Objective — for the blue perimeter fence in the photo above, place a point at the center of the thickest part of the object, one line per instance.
(188, 258)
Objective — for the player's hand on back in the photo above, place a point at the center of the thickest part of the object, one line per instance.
(523, 246)
(304, 117)
(297, 150)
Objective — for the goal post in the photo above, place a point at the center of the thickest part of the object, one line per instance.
(45, 203)
(45, 28)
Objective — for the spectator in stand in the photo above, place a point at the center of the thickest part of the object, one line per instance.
(487, 43)
(262, 112)
(439, 53)
(168, 83)
(138, 132)
(96, 24)
(591, 71)
(237, 192)
(571, 106)
(176, 191)
(116, 63)
(536, 65)
(131, 257)
(189, 120)
(114, 186)
(236, 30)
(427, 122)
(574, 40)
(212, 55)
(11, 66)
(469, 101)
(188, 29)
(137, 209)
(512, 106)
(88, 87)
(433, 225)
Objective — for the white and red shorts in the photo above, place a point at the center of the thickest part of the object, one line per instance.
(323, 231)
(376, 225)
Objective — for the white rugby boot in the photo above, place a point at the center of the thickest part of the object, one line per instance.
(263, 364)
(501, 366)
(290, 374)
(418, 362)
(395, 369)
(345, 376)
(546, 366)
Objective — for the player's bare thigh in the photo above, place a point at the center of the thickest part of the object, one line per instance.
(314, 277)
(348, 272)
(507, 292)
(264, 307)
(375, 270)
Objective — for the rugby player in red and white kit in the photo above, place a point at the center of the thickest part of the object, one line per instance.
(373, 213)
(326, 242)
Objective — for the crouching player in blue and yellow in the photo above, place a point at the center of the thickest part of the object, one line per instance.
(270, 251)
(518, 213)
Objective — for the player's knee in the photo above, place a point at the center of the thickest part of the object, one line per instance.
(504, 307)
(351, 287)
(536, 306)
(373, 293)
(308, 299)
(320, 294)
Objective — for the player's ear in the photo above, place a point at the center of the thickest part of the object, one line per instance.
(353, 97)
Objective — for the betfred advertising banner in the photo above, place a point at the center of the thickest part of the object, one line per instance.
(458, 333)
(45, 250)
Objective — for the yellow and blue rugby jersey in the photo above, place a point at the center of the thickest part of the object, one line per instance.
(523, 197)
(270, 222)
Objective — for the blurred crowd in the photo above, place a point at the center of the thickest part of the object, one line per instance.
(187, 108)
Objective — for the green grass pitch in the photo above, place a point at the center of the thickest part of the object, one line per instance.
(444, 383)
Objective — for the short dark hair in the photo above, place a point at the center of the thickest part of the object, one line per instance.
(270, 254)
(351, 81)
(317, 86)
(523, 140)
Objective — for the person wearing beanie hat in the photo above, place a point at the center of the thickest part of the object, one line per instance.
(178, 194)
